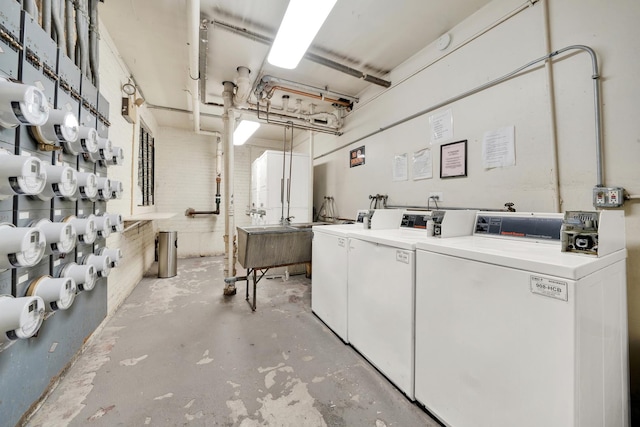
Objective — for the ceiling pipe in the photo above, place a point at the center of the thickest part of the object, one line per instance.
(270, 81)
(243, 89)
(340, 102)
(193, 30)
(310, 56)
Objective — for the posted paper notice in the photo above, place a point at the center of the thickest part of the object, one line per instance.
(498, 148)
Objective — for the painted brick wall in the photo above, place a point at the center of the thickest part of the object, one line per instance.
(137, 244)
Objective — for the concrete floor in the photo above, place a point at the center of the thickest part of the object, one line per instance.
(180, 353)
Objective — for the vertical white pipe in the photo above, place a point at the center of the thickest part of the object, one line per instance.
(553, 134)
(193, 32)
(310, 195)
(228, 128)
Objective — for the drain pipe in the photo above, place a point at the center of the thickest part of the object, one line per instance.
(218, 169)
(228, 122)
(244, 88)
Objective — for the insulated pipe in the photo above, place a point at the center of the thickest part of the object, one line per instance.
(58, 25)
(277, 81)
(46, 16)
(244, 88)
(93, 41)
(68, 13)
(193, 30)
(227, 136)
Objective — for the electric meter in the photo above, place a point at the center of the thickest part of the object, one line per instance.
(117, 223)
(114, 254)
(105, 150)
(87, 185)
(20, 175)
(104, 188)
(102, 264)
(22, 104)
(57, 294)
(86, 230)
(116, 159)
(83, 275)
(61, 182)
(20, 246)
(60, 236)
(61, 126)
(116, 189)
(103, 225)
(20, 318)
(87, 142)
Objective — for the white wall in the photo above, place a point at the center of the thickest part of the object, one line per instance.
(524, 102)
(185, 178)
(136, 244)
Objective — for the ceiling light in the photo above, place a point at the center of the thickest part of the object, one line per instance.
(245, 129)
(299, 27)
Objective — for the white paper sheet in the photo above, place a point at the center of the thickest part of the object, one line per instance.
(400, 167)
(498, 148)
(441, 126)
(422, 164)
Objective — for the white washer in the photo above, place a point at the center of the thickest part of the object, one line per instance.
(330, 260)
(516, 333)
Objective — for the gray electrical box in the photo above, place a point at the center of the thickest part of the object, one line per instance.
(608, 197)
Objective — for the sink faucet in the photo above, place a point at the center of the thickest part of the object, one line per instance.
(287, 220)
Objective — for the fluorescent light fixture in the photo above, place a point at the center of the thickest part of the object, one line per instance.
(245, 129)
(299, 27)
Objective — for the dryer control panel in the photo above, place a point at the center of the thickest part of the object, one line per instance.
(593, 233)
(415, 220)
(527, 226)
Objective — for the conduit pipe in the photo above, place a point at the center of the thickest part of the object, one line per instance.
(31, 8)
(272, 89)
(294, 122)
(93, 42)
(82, 61)
(57, 13)
(46, 16)
(553, 131)
(193, 30)
(228, 123)
(68, 13)
(595, 76)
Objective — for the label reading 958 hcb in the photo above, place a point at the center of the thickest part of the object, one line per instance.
(549, 287)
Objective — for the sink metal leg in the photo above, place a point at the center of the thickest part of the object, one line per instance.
(255, 282)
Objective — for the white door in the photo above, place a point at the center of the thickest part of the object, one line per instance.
(489, 351)
(329, 281)
(381, 309)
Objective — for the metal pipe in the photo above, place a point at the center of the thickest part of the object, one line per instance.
(68, 13)
(312, 57)
(308, 95)
(58, 25)
(46, 16)
(310, 190)
(227, 136)
(266, 81)
(193, 31)
(31, 8)
(82, 61)
(555, 173)
(93, 42)
(284, 152)
(190, 212)
(290, 122)
(289, 180)
(598, 114)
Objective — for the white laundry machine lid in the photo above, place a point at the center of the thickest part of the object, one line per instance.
(544, 258)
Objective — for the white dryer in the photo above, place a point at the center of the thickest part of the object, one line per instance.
(329, 261)
(510, 331)
(381, 293)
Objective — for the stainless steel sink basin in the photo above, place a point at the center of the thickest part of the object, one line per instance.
(264, 246)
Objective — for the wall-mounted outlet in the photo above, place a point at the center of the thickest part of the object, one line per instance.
(436, 195)
(608, 197)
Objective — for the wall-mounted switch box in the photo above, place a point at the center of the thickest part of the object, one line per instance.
(608, 197)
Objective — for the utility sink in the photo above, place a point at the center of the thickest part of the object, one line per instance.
(265, 246)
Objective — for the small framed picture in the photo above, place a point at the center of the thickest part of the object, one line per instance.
(356, 157)
(453, 159)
